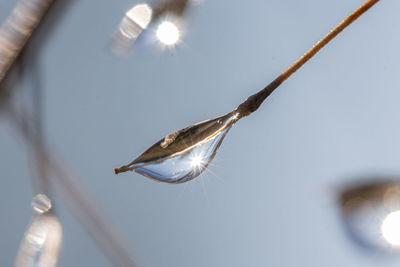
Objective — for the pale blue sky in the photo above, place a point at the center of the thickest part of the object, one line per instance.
(269, 197)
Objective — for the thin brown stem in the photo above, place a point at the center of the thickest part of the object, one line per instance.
(253, 102)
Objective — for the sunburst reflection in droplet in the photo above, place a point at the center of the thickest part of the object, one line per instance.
(183, 155)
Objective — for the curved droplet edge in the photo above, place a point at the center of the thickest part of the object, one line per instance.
(191, 174)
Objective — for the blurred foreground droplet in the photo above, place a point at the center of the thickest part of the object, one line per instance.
(133, 23)
(391, 228)
(42, 240)
(171, 14)
(371, 215)
(183, 155)
(41, 203)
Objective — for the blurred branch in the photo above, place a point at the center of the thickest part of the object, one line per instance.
(17, 30)
(176, 7)
(53, 171)
(78, 199)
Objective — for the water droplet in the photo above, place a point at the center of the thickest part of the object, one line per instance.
(35, 235)
(140, 14)
(391, 228)
(186, 166)
(367, 214)
(41, 203)
(42, 241)
(186, 155)
(132, 24)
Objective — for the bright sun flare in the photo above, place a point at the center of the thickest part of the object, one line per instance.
(168, 33)
(196, 161)
(391, 228)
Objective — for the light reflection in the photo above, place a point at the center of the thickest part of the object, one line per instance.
(140, 14)
(35, 235)
(185, 154)
(168, 33)
(41, 245)
(167, 16)
(196, 161)
(41, 203)
(186, 166)
(391, 228)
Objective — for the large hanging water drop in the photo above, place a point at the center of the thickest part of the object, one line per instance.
(185, 154)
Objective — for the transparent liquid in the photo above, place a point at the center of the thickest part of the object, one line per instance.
(185, 167)
(41, 203)
(42, 241)
(184, 155)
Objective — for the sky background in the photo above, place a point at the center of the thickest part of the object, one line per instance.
(269, 197)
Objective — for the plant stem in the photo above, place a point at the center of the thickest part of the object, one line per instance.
(253, 102)
(18, 28)
(77, 198)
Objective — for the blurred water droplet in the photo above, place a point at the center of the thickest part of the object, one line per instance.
(41, 244)
(35, 235)
(183, 155)
(391, 228)
(368, 215)
(41, 203)
(140, 14)
(130, 28)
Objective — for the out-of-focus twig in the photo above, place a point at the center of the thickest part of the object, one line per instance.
(176, 7)
(18, 28)
(54, 172)
(78, 199)
(42, 242)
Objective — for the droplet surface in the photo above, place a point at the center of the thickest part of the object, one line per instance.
(391, 228)
(183, 155)
(140, 14)
(135, 20)
(184, 167)
(42, 242)
(35, 235)
(41, 203)
(371, 215)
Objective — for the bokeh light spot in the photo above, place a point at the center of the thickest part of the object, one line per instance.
(391, 228)
(168, 33)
